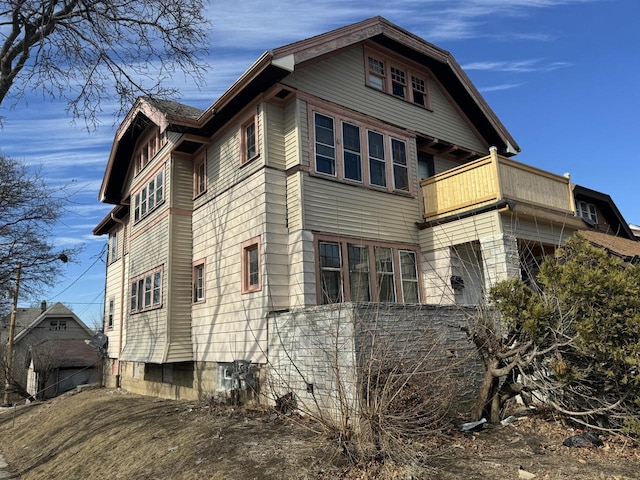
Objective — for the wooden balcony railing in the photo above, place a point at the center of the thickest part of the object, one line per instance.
(491, 179)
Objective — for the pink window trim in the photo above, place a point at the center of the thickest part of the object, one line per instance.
(245, 248)
(199, 263)
(343, 242)
(253, 118)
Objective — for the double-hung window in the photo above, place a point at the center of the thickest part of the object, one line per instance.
(377, 162)
(200, 176)
(249, 140)
(146, 291)
(111, 313)
(400, 169)
(250, 266)
(385, 274)
(325, 144)
(351, 152)
(587, 210)
(113, 246)
(149, 197)
(198, 282)
(330, 272)
(409, 276)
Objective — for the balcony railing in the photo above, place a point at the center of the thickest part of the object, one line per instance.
(491, 179)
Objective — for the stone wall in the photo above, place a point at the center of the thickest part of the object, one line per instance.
(321, 353)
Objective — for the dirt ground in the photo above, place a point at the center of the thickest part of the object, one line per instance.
(112, 434)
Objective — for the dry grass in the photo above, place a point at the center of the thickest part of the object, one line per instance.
(112, 434)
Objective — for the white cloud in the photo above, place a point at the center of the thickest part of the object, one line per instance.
(496, 88)
(518, 66)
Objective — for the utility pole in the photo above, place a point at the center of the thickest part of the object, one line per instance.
(12, 328)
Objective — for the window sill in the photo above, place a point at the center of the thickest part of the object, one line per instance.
(427, 107)
(353, 183)
(249, 160)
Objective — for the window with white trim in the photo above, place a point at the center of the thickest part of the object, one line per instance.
(149, 197)
(396, 83)
(146, 291)
(587, 210)
(198, 282)
(345, 266)
(340, 146)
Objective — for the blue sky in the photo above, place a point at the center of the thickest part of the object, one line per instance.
(562, 75)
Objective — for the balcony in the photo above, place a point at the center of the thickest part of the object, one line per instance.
(489, 182)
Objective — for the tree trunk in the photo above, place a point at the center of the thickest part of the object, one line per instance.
(486, 392)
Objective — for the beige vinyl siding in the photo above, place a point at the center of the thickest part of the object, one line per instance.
(179, 270)
(460, 231)
(341, 79)
(274, 135)
(230, 325)
(302, 280)
(113, 291)
(303, 122)
(276, 240)
(334, 208)
(294, 201)
(443, 164)
(223, 161)
(291, 133)
(146, 338)
(526, 228)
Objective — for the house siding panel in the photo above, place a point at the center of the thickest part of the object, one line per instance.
(335, 208)
(230, 325)
(341, 79)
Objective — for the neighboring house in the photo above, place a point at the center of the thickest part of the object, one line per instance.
(44, 327)
(360, 165)
(59, 365)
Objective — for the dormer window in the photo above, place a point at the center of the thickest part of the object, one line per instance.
(587, 211)
(403, 80)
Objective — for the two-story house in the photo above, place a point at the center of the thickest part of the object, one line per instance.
(352, 166)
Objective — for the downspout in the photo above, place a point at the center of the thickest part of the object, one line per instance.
(122, 290)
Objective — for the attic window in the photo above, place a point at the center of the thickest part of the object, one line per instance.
(58, 325)
(147, 148)
(405, 80)
(587, 211)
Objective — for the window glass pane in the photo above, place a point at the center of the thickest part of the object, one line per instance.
(143, 202)
(359, 273)
(377, 169)
(140, 304)
(157, 283)
(253, 266)
(409, 273)
(152, 197)
(136, 215)
(419, 91)
(398, 82)
(325, 145)
(147, 291)
(159, 188)
(330, 275)
(400, 170)
(384, 268)
(250, 139)
(352, 155)
(134, 301)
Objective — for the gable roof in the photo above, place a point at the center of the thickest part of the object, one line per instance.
(275, 65)
(58, 310)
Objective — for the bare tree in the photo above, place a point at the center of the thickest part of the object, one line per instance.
(81, 49)
(29, 208)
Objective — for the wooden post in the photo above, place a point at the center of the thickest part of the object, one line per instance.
(12, 329)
